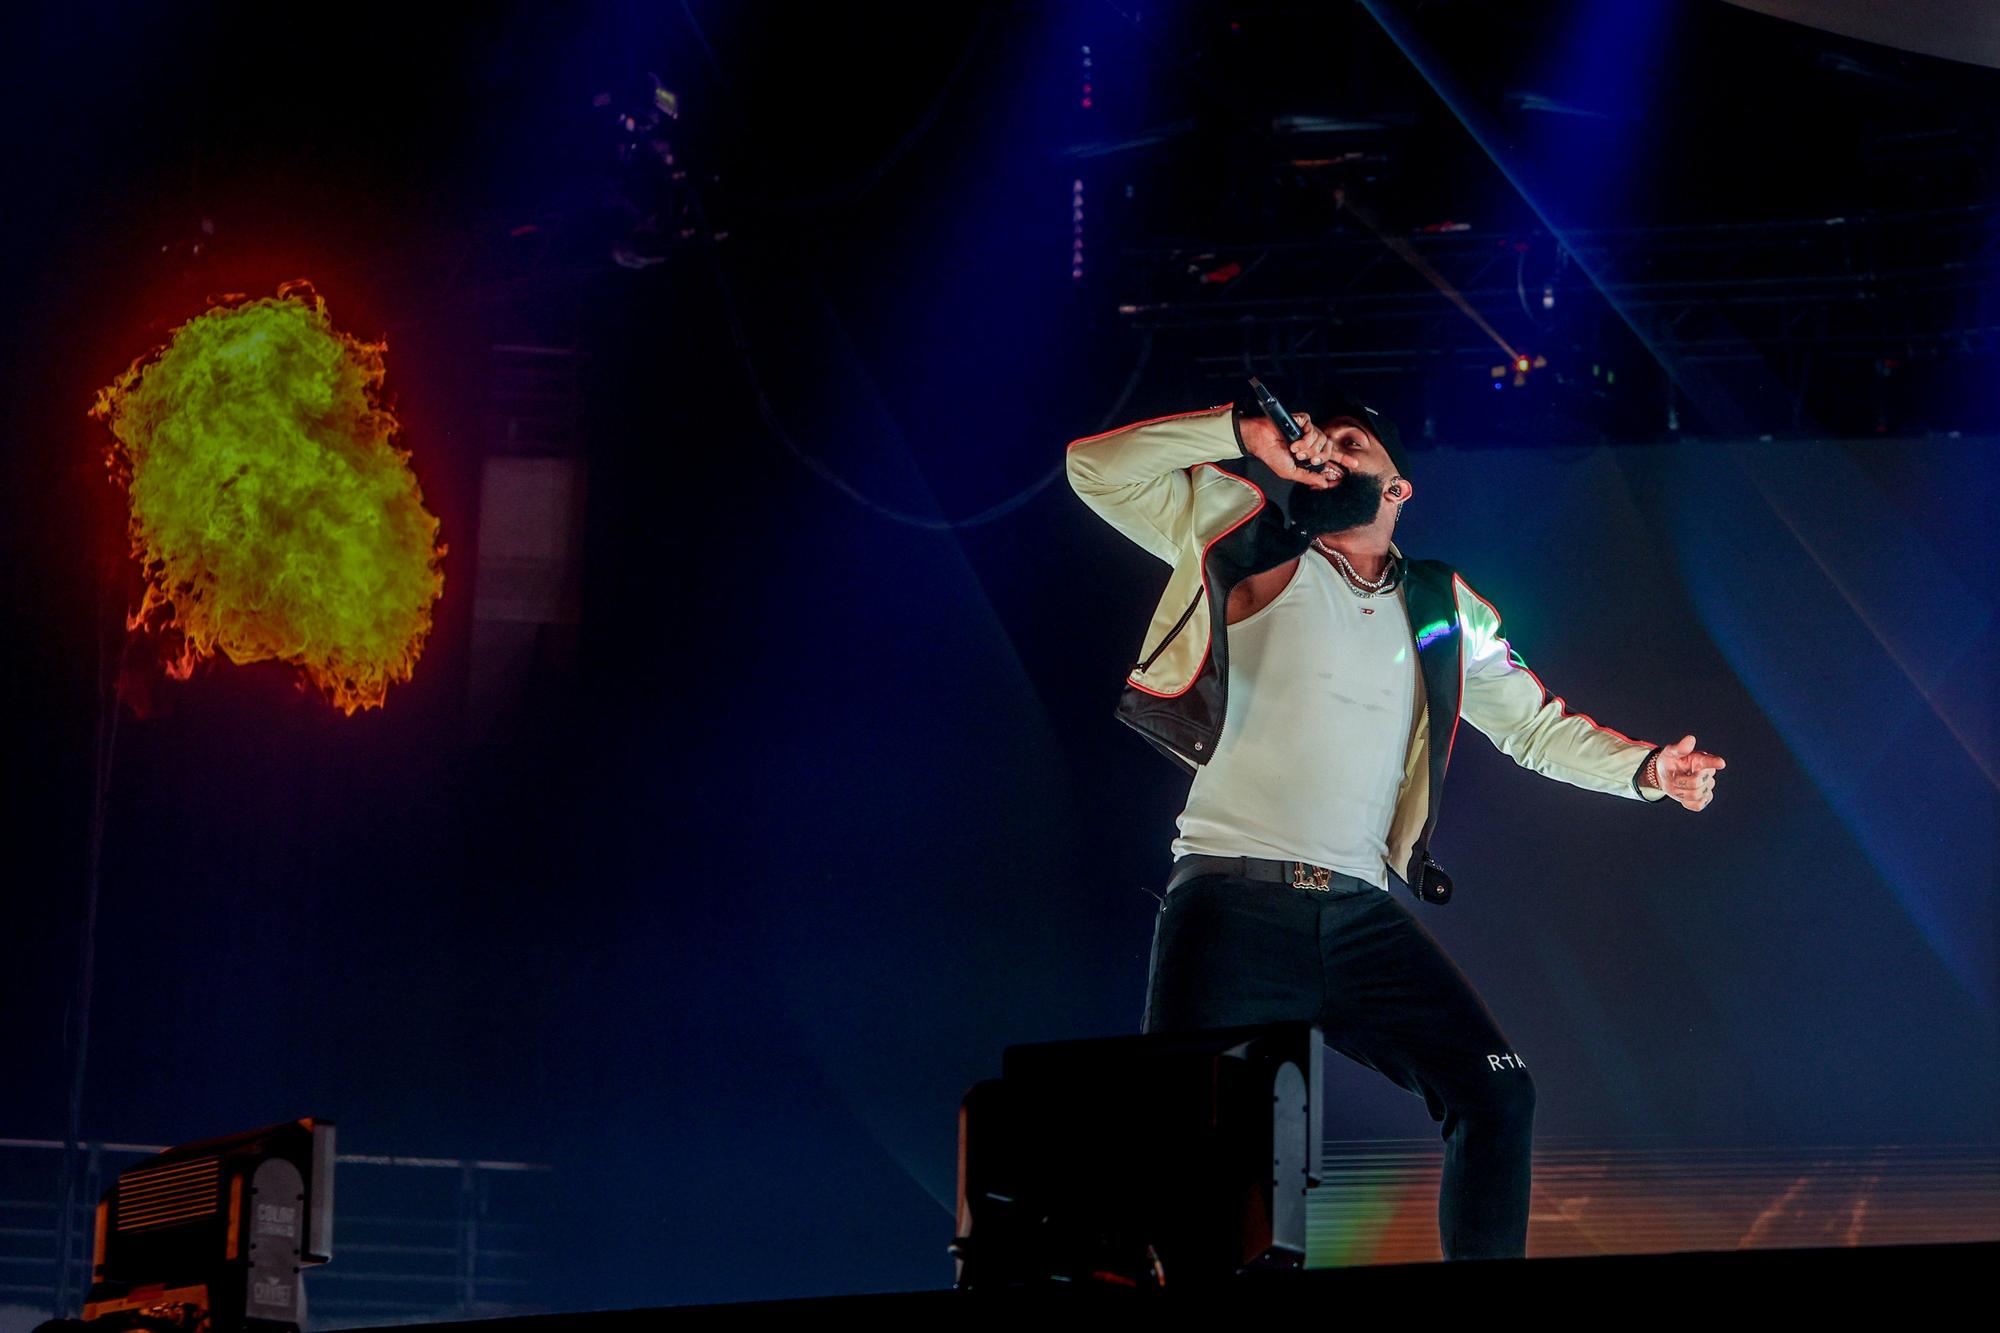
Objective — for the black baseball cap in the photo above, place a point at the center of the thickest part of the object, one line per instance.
(1340, 403)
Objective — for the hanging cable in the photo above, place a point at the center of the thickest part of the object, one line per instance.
(739, 338)
(77, 1018)
(768, 412)
(850, 190)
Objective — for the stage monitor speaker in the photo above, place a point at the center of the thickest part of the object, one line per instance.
(1164, 1159)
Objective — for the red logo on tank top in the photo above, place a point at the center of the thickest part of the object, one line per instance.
(1367, 610)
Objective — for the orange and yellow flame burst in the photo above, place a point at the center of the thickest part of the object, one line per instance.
(270, 513)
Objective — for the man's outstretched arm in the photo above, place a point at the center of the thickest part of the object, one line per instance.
(1532, 726)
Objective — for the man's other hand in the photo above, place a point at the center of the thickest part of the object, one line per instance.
(1688, 774)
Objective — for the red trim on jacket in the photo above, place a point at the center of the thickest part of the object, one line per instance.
(1514, 659)
(1202, 567)
(1150, 421)
(1458, 711)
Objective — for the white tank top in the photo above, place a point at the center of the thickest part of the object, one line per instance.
(1322, 688)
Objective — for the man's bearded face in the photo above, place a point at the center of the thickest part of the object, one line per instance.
(1353, 502)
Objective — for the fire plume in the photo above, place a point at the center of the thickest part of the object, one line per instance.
(271, 513)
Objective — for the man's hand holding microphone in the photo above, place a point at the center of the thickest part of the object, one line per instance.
(1263, 441)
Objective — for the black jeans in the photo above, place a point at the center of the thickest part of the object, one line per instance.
(1230, 951)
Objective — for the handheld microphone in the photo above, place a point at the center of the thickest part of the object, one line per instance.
(1290, 429)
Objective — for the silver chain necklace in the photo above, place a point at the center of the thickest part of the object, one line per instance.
(1362, 587)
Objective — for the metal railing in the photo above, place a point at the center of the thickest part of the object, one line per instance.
(415, 1238)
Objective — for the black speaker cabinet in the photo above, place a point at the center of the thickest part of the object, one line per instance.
(1166, 1159)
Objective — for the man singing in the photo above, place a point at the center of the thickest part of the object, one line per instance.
(1317, 719)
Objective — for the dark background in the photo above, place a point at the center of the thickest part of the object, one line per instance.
(717, 893)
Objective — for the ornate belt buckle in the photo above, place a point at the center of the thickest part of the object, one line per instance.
(1306, 876)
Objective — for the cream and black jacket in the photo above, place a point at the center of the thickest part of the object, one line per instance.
(1183, 488)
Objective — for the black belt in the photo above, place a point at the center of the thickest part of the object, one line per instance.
(1298, 874)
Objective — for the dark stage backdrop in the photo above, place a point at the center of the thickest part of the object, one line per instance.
(843, 813)
(820, 808)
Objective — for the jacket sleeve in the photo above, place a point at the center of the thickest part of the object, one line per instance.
(1512, 708)
(1139, 478)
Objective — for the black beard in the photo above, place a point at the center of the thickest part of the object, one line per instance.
(1353, 503)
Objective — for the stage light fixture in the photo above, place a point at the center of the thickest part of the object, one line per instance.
(214, 1235)
(1517, 370)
